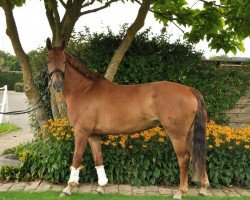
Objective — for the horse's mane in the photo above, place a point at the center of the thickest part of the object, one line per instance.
(81, 68)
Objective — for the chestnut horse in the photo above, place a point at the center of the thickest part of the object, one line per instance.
(96, 106)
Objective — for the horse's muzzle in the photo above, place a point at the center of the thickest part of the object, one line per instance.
(57, 85)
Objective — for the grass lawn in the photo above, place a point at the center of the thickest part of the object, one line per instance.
(6, 128)
(76, 196)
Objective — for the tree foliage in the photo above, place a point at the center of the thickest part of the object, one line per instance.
(224, 24)
(9, 62)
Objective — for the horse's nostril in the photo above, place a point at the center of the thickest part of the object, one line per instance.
(58, 85)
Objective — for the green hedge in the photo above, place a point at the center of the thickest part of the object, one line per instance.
(10, 79)
(154, 58)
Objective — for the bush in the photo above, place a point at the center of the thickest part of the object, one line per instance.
(10, 79)
(153, 58)
(144, 158)
(19, 87)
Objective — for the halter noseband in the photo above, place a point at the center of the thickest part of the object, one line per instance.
(57, 70)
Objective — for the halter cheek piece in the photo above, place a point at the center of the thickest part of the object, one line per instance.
(56, 70)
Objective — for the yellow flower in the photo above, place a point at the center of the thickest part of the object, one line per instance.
(247, 146)
(161, 139)
(114, 144)
(217, 143)
(237, 142)
(45, 126)
(55, 134)
(210, 146)
(135, 135)
(62, 133)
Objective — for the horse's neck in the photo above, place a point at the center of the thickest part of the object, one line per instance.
(74, 81)
(80, 67)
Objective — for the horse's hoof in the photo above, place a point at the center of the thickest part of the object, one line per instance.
(203, 192)
(177, 197)
(100, 190)
(64, 194)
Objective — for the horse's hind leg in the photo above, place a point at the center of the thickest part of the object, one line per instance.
(204, 185)
(181, 150)
(81, 139)
(95, 144)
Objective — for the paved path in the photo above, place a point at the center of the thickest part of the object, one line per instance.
(39, 186)
(17, 101)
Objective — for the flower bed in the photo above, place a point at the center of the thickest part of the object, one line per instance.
(145, 158)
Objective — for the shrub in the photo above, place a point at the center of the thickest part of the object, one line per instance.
(153, 58)
(19, 87)
(10, 79)
(144, 158)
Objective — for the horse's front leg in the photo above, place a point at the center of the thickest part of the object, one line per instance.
(95, 144)
(81, 139)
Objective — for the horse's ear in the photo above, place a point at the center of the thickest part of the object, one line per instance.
(64, 44)
(48, 44)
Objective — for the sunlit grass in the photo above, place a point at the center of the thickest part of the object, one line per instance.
(6, 128)
(76, 196)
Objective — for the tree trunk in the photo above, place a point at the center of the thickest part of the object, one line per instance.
(127, 40)
(53, 104)
(29, 85)
(61, 31)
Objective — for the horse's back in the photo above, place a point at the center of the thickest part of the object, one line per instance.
(137, 107)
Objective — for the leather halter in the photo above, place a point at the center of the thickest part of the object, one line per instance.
(57, 70)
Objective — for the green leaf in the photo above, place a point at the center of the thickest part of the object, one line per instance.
(156, 173)
(33, 167)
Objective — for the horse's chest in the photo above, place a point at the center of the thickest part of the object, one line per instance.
(80, 112)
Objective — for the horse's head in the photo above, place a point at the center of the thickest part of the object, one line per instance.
(56, 62)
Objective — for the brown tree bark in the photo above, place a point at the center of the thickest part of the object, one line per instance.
(127, 40)
(29, 85)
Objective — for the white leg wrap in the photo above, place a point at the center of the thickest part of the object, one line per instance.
(66, 191)
(102, 178)
(74, 175)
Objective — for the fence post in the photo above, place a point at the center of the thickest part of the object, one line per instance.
(4, 105)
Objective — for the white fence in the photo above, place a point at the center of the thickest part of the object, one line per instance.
(4, 105)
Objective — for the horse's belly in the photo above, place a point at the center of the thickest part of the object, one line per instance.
(116, 125)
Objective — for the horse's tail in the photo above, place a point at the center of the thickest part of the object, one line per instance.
(199, 147)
